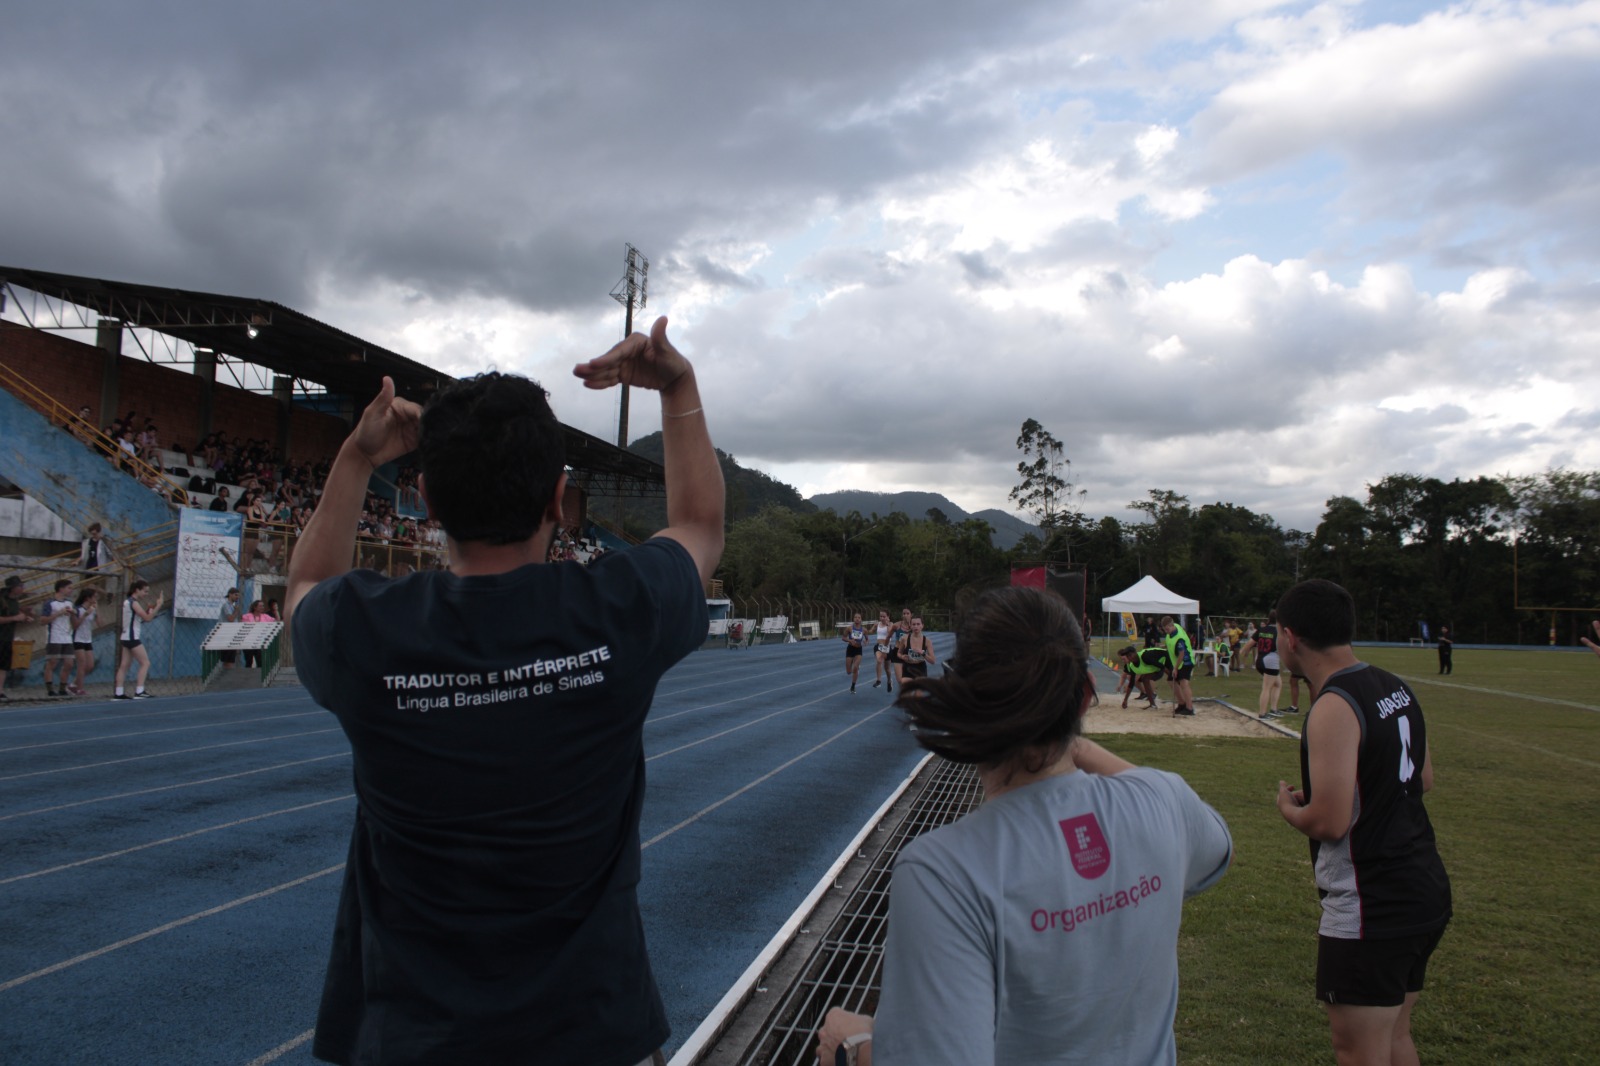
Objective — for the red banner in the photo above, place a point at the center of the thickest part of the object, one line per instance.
(1032, 577)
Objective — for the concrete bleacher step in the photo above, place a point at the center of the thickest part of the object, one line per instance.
(285, 677)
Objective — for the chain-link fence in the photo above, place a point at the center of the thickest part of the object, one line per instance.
(830, 616)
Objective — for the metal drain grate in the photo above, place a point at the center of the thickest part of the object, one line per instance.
(845, 968)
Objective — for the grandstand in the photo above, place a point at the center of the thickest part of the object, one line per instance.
(128, 404)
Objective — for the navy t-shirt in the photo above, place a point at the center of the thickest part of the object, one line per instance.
(489, 911)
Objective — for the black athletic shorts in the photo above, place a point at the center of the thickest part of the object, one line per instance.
(1373, 973)
(1184, 673)
(1265, 670)
(132, 643)
(852, 651)
(79, 645)
(57, 651)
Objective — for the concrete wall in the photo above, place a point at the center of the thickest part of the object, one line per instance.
(28, 519)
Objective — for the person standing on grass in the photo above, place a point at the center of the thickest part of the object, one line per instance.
(1364, 766)
(495, 713)
(1265, 643)
(1180, 654)
(1446, 649)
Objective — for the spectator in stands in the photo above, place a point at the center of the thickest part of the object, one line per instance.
(232, 611)
(975, 967)
(11, 612)
(94, 553)
(85, 610)
(531, 826)
(219, 502)
(82, 426)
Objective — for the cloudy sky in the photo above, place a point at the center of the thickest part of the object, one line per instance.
(1256, 252)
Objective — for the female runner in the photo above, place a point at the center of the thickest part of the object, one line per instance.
(854, 638)
(881, 648)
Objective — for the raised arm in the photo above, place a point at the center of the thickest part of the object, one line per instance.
(387, 430)
(695, 494)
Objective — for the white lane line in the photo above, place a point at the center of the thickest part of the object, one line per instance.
(740, 699)
(695, 817)
(164, 754)
(177, 923)
(174, 839)
(1498, 692)
(1498, 739)
(168, 729)
(734, 729)
(282, 1049)
(169, 788)
(100, 718)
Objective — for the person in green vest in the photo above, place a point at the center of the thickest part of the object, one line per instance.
(1142, 667)
(1180, 654)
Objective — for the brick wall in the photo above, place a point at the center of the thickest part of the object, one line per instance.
(61, 368)
(314, 435)
(70, 372)
(169, 398)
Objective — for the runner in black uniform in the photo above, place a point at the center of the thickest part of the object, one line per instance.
(1364, 766)
(897, 637)
(916, 652)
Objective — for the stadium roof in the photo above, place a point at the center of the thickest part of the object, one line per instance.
(280, 339)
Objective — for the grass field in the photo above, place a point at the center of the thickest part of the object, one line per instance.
(1516, 747)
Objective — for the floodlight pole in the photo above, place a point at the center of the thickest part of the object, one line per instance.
(630, 292)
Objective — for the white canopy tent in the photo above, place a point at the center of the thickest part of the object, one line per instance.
(1149, 596)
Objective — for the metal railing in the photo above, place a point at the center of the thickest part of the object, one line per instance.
(58, 413)
(846, 967)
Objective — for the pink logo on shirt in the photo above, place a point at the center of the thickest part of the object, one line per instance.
(1091, 855)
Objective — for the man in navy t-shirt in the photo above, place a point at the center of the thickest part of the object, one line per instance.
(495, 713)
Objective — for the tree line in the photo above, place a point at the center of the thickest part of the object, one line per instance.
(1499, 560)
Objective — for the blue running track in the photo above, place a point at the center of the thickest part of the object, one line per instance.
(169, 869)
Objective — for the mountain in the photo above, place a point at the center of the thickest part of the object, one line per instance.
(1008, 529)
(749, 490)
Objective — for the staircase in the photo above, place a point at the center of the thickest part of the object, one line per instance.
(74, 481)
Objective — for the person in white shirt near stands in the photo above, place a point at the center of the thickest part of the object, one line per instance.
(134, 616)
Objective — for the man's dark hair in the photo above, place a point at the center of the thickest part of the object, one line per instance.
(1321, 613)
(62, 583)
(491, 453)
(1015, 689)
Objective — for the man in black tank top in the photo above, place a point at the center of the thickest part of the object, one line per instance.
(1364, 765)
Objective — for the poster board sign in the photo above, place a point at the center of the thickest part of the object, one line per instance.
(204, 575)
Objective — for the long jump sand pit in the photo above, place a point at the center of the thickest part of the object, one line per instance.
(1210, 719)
